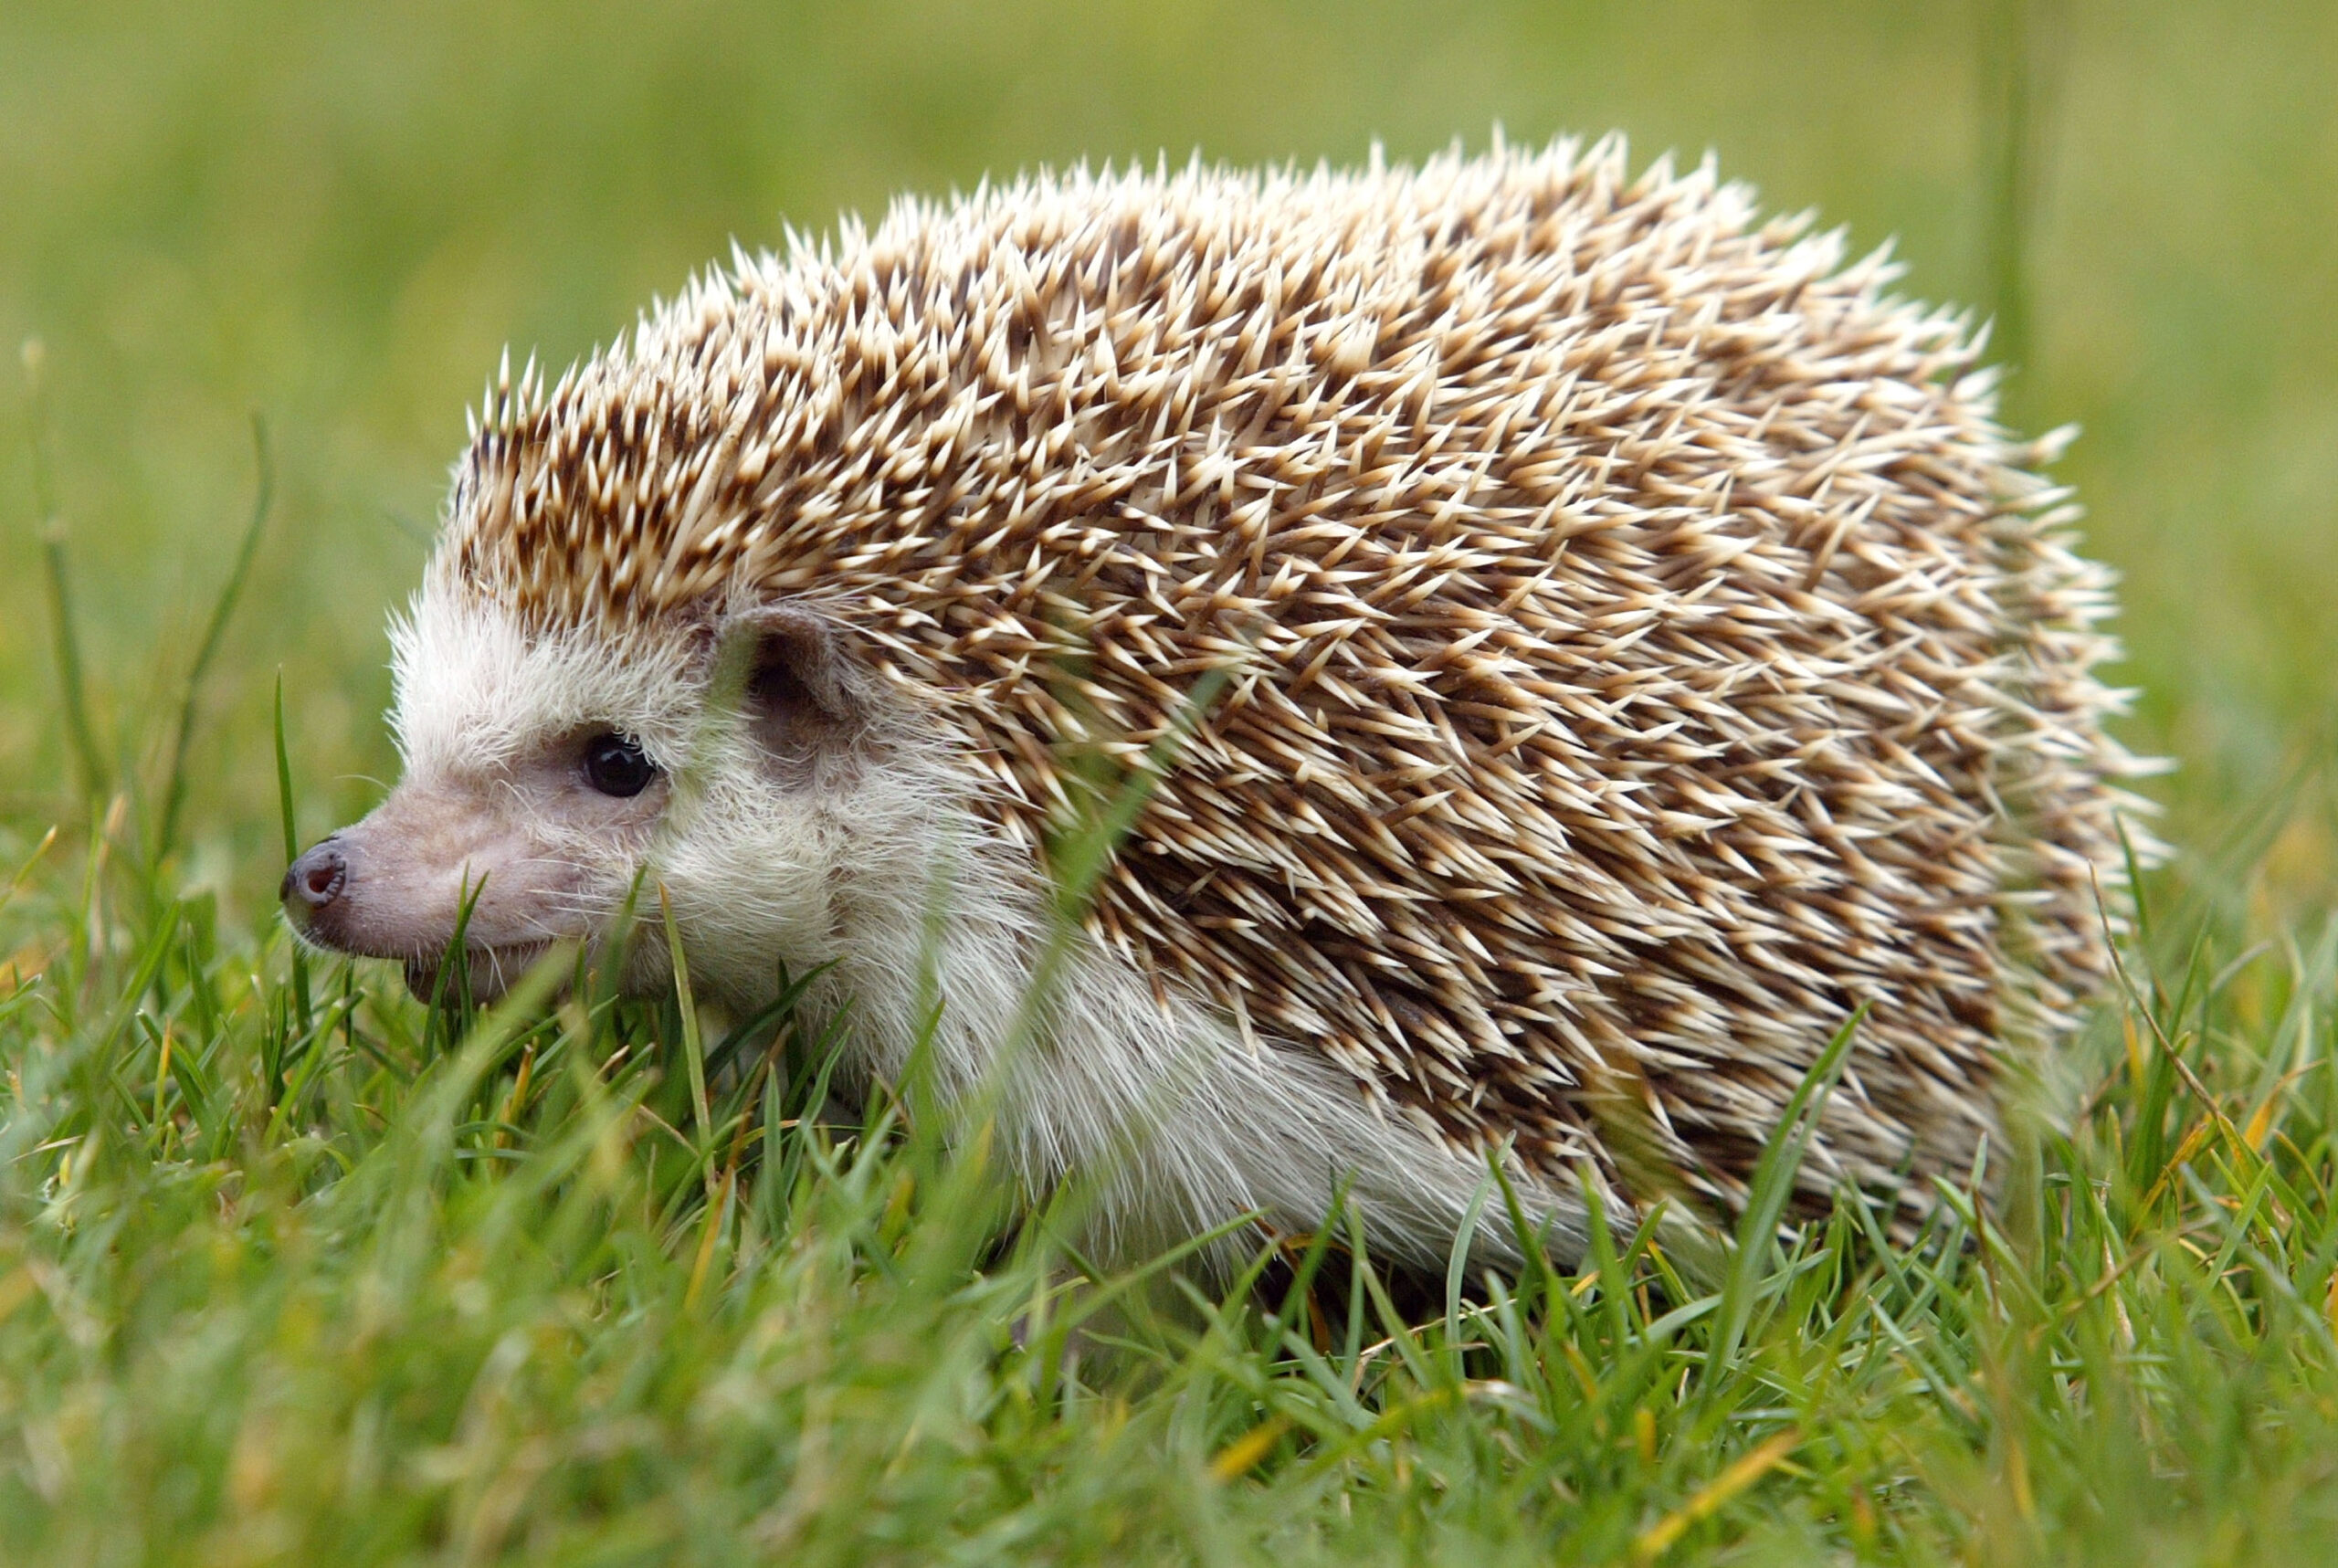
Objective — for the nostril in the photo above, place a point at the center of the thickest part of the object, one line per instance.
(316, 879)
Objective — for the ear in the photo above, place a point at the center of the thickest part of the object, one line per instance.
(801, 699)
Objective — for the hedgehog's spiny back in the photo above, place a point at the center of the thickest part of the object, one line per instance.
(1636, 616)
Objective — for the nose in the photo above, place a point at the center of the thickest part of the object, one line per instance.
(315, 880)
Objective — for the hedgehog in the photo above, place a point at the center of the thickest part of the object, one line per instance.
(1571, 646)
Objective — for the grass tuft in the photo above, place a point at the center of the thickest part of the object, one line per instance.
(284, 1278)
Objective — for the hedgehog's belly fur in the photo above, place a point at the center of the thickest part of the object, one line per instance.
(1643, 650)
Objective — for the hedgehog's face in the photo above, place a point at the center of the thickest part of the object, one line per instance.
(547, 775)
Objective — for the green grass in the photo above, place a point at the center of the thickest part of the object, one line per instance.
(292, 1270)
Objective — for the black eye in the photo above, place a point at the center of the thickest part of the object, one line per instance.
(614, 764)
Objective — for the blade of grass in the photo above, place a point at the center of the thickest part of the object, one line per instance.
(66, 641)
(1716, 1493)
(291, 847)
(693, 1047)
(215, 631)
(2016, 83)
(1767, 1195)
(17, 882)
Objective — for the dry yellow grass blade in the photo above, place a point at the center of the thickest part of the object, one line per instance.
(1659, 1537)
(1236, 1458)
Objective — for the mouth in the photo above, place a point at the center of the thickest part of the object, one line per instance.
(488, 972)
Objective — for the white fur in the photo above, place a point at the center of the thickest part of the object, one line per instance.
(473, 689)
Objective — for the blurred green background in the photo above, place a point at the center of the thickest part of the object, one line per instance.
(337, 216)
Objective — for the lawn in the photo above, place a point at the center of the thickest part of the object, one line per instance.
(293, 1271)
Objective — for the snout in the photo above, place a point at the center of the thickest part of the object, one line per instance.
(427, 870)
(315, 880)
(345, 893)
(316, 894)
(331, 898)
